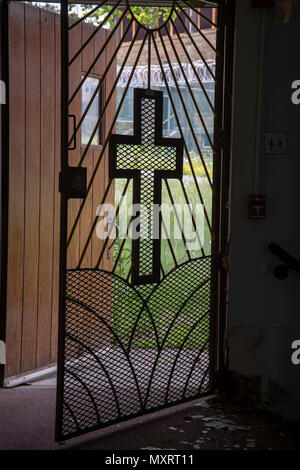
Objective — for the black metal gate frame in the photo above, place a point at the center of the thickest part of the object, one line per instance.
(220, 198)
(221, 180)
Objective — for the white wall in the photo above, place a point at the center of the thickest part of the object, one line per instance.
(264, 313)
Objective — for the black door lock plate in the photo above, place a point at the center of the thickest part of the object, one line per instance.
(73, 182)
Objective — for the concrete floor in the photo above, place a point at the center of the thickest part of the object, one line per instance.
(27, 415)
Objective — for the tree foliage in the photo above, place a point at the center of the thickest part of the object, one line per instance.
(144, 15)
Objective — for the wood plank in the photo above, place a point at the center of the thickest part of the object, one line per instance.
(47, 189)
(32, 193)
(88, 53)
(86, 215)
(98, 193)
(74, 156)
(17, 186)
(87, 58)
(107, 263)
(100, 39)
(56, 241)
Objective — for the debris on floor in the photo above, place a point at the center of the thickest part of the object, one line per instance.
(221, 425)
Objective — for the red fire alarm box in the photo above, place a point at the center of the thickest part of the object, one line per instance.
(261, 3)
(257, 207)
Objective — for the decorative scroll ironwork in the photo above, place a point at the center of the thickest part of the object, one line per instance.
(128, 353)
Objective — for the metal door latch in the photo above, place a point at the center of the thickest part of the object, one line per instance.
(73, 182)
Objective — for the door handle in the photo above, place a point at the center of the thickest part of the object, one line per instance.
(74, 132)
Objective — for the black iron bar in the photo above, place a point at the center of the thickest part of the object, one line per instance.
(193, 367)
(112, 225)
(169, 242)
(177, 218)
(194, 69)
(196, 47)
(107, 140)
(83, 46)
(122, 246)
(93, 226)
(182, 136)
(186, 112)
(187, 336)
(190, 89)
(192, 216)
(89, 13)
(166, 337)
(196, 27)
(199, 13)
(129, 272)
(87, 73)
(149, 61)
(101, 81)
(102, 115)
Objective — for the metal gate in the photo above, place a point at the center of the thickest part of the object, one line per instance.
(140, 324)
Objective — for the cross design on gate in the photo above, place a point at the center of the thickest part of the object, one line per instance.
(147, 157)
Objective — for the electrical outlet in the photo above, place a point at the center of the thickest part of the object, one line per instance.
(275, 143)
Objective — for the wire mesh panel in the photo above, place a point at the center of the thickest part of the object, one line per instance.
(138, 322)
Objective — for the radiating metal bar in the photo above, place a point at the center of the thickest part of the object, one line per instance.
(177, 218)
(93, 227)
(204, 377)
(86, 388)
(107, 139)
(189, 87)
(86, 111)
(199, 12)
(122, 246)
(196, 27)
(194, 69)
(114, 334)
(182, 136)
(112, 225)
(83, 46)
(166, 337)
(183, 343)
(185, 111)
(169, 242)
(65, 403)
(97, 359)
(102, 115)
(149, 61)
(197, 187)
(197, 48)
(89, 13)
(193, 367)
(101, 81)
(192, 217)
(87, 73)
(129, 272)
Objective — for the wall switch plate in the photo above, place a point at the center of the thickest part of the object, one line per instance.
(275, 143)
